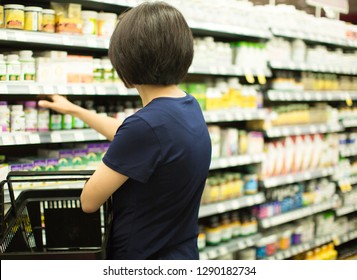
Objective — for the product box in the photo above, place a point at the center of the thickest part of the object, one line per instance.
(67, 18)
(64, 157)
(50, 70)
(79, 69)
(94, 154)
(79, 160)
(52, 164)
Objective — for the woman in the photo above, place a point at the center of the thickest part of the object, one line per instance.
(156, 166)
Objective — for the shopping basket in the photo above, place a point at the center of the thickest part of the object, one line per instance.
(49, 223)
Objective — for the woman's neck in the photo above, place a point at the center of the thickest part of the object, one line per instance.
(150, 92)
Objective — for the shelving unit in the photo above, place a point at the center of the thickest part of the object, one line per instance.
(230, 205)
(295, 215)
(349, 151)
(213, 252)
(318, 241)
(228, 71)
(234, 115)
(235, 161)
(290, 130)
(305, 95)
(297, 177)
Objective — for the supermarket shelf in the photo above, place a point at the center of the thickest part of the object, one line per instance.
(34, 88)
(229, 205)
(349, 151)
(235, 114)
(228, 71)
(213, 252)
(317, 38)
(64, 136)
(318, 241)
(349, 123)
(54, 39)
(346, 210)
(313, 68)
(289, 130)
(235, 161)
(295, 215)
(302, 95)
(297, 177)
(229, 31)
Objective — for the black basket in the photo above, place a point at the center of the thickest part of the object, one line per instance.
(50, 224)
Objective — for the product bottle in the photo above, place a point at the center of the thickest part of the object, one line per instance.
(28, 67)
(107, 66)
(13, 68)
(76, 122)
(89, 105)
(236, 231)
(55, 121)
(2, 68)
(30, 116)
(213, 231)
(17, 118)
(201, 239)
(43, 119)
(4, 117)
(97, 71)
(66, 122)
(227, 230)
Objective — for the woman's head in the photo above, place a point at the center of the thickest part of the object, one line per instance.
(152, 45)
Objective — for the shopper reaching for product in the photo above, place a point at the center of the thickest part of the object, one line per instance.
(156, 166)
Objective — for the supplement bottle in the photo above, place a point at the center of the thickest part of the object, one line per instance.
(4, 117)
(14, 16)
(97, 70)
(106, 24)
(227, 227)
(1, 16)
(76, 122)
(66, 121)
(43, 119)
(107, 67)
(55, 121)
(28, 66)
(213, 231)
(89, 19)
(17, 118)
(48, 21)
(2, 68)
(89, 105)
(201, 239)
(13, 68)
(33, 18)
(30, 116)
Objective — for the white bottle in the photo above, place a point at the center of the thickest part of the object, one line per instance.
(2, 68)
(17, 118)
(13, 68)
(28, 67)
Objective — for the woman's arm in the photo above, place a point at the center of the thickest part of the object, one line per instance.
(106, 126)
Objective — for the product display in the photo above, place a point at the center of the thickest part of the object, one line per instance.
(277, 87)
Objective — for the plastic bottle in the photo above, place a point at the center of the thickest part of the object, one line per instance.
(97, 70)
(106, 24)
(4, 117)
(28, 66)
(76, 122)
(66, 122)
(13, 69)
(236, 231)
(55, 121)
(33, 18)
(14, 16)
(48, 21)
(2, 68)
(31, 116)
(1, 16)
(43, 119)
(201, 239)
(226, 225)
(89, 105)
(213, 231)
(89, 19)
(17, 118)
(107, 67)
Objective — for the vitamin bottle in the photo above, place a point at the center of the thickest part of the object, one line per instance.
(227, 229)
(106, 24)
(17, 118)
(201, 239)
(55, 121)
(66, 122)
(13, 69)
(1, 16)
(4, 117)
(48, 21)
(107, 67)
(76, 122)
(14, 16)
(28, 67)
(89, 19)
(2, 68)
(97, 70)
(43, 119)
(213, 231)
(235, 225)
(31, 116)
(33, 18)
(89, 105)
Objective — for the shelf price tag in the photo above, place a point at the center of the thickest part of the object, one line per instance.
(89, 90)
(20, 36)
(20, 139)
(3, 35)
(56, 137)
(3, 89)
(62, 90)
(92, 42)
(79, 136)
(7, 139)
(34, 138)
(249, 76)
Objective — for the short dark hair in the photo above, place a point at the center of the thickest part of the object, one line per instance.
(152, 44)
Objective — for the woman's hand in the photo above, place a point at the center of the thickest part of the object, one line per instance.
(59, 104)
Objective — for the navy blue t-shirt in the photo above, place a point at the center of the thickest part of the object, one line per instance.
(165, 150)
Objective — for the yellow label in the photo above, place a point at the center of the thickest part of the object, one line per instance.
(1, 17)
(14, 19)
(261, 78)
(48, 23)
(349, 101)
(31, 21)
(249, 76)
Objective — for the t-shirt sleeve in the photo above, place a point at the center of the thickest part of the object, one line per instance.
(135, 150)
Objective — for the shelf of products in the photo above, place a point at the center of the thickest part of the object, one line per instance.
(229, 71)
(313, 67)
(33, 88)
(213, 252)
(297, 177)
(281, 131)
(312, 37)
(348, 151)
(349, 123)
(27, 138)
(236, 114)
(229, 205)
(235, 161)
(75, 41)
(295, 215)
(291, 95)
(344, 210)
(297, 249)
